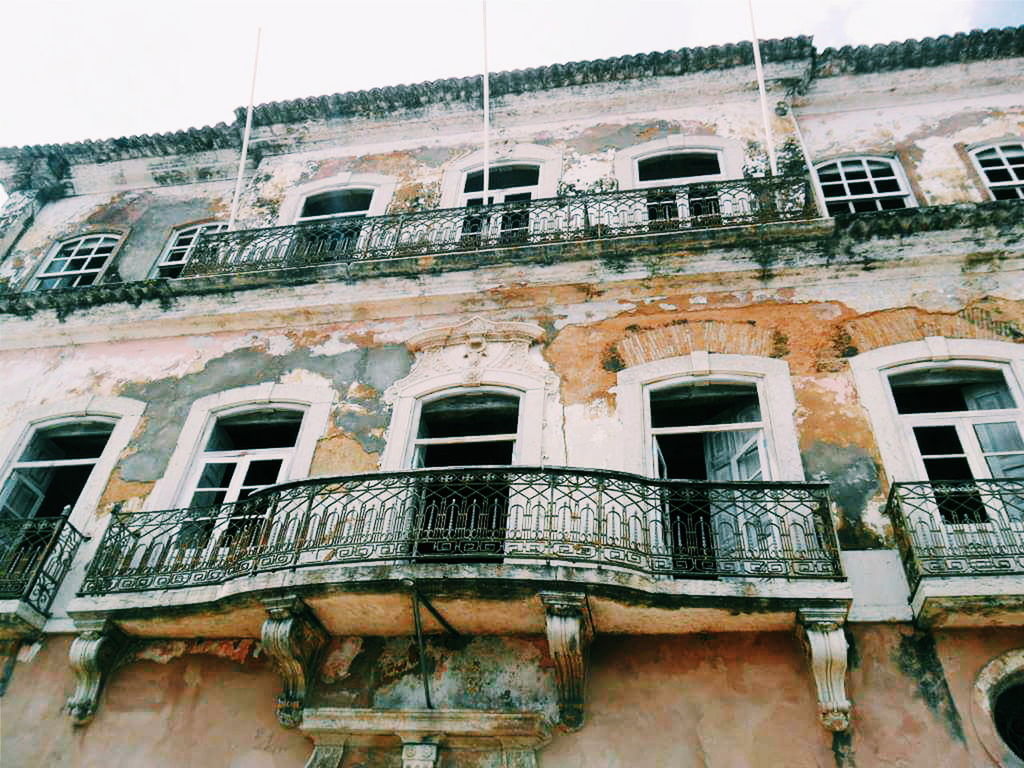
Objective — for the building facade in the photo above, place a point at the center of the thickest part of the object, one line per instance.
(612, 448)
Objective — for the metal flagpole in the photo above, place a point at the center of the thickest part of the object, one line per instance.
(245, 137)
(764, 95)
(487, 111)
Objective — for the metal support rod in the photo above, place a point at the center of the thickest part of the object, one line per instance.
(487, 111)
(245, 137)
(770, 145)
(819, 195)
(419, 642)
(434, 612)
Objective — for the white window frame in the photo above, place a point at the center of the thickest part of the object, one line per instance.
(173, 491)
(904, 193)
(627, 161)
(383, 188)
(194, 229)
(548, 160)
(975, 149)
(42, 273)
(771, 377)
(415, 441)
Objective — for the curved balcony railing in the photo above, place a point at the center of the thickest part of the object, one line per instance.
(587, 216)
(479, 515)
(35, 556)
(959, 527)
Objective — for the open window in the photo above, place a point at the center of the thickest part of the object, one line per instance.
(1002, 168)
(463, 516)
(964, 424)
(77, 262)
(45, 482)
(180, 246)
(863, 185)
(243, 452)
(711, 432)
(513, 185)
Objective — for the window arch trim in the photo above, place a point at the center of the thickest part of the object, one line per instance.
(383, 191)
(775, 396)
(548, 160)
(627, 161)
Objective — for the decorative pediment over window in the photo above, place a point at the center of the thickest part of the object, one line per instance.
(473, 348)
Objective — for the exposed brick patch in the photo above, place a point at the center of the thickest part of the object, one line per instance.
(683, 338)
(903, 325)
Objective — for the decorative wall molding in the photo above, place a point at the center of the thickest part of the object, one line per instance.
(419, 755)
(293, 638)
(569, 632)
(326, 756)
(1005, 670)
(911, 221)
(825, 642)
(99, 649)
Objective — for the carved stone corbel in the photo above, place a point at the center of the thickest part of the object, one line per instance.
(99, 649)
(326, 756)
(419, 755)
(569, 634)
(827, 650)
(293, 638)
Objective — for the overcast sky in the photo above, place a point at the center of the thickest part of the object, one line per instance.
(95, 69)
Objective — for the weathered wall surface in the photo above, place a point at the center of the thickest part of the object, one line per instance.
(695, 700)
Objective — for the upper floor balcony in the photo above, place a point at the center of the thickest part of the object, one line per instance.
(481, 543)
(441, 236)
(962, 544)
(35, 555)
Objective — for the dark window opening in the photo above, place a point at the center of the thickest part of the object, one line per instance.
(1008, 714)
(679, 165)
(337, 202)
(253, 430)
(503, 177)
(464, 520)
(691, 405)
(943, 390)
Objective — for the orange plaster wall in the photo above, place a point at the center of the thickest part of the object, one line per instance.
(193, 711)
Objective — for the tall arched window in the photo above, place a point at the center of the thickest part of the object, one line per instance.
(180, 246)
(1002, 168)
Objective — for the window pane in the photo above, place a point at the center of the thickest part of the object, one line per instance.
(485, 453)
(262, 472)
(486, 413)
(207, 498)
(940, 390)
(692, 405)
(678, 165)
(255, 429)
(503, 177)
(1011, 465)
(1004, 436)
(337, 201)
(938, 441)
(80, 440)
(216, 475)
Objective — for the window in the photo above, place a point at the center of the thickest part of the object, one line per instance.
(1002, 168)
(53, 468)
(964, 424)
(180, 246)
(863, 184)
(77, 263)
(464, 516)
(678, 166)
(336, 203)
(509, 184)
(243, 453)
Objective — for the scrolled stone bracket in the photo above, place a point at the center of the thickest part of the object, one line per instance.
(419, 755)
(825, 642)
(569, 630)
(326, 756)
(95, 653)
(293, 639)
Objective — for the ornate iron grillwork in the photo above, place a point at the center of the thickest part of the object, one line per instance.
(480, 514)
(533, 222)
(35, 555)
(959, 527)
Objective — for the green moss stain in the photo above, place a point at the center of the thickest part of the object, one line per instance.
(169, 400)
(842, 749)
(917, 658)
(853, 478)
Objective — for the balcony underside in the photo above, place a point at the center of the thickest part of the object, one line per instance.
(970, 601)
(474, 598)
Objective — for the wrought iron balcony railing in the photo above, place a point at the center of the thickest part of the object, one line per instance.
(35, 556)
(480, 515)
(959, 527)
(532, 222)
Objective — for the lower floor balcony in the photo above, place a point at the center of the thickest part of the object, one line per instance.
(35, 555)
(478, 545)
(962, 544)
